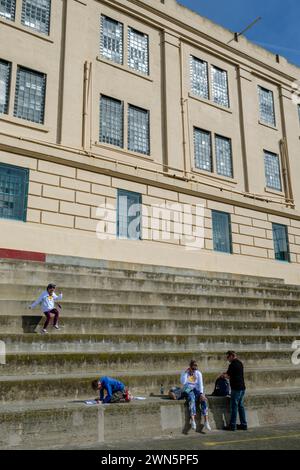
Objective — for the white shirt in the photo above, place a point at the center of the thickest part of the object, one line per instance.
(47, 301)
(194, 381)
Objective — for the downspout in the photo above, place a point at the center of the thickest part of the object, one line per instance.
(183, 114)
(85, 103)
(285, 155)
(242, 128)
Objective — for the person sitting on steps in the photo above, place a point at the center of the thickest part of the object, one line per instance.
(193, 391)
(47, 301)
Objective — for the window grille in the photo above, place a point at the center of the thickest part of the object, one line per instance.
(36, 15)
(224, 156)
(272, 171)
(138, 51)
(203, 150)
(266, 106)
(220, 86)
(138, 130)
(111, 40)
(111, 121)
(129, 215)
(221, 226)
(5, 72)
(8, 9)
(30, 95)
(13, 192)
(199, 77)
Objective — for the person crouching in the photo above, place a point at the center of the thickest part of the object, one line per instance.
(114, 390)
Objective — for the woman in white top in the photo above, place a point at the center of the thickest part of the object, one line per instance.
(193, 390)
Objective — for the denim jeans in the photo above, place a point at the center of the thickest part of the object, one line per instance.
(237, 406)
(192, 398)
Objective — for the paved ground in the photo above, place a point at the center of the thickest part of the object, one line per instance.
(267, 438)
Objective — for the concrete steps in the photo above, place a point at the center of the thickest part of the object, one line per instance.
(156, 312)
(68, 362)
(59, 423)
(19, 389)
(78, 342)
(141, 324)
(107, 324)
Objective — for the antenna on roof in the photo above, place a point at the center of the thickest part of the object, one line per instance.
(237, 35)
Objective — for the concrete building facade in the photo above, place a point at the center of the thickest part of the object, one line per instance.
(107, 105)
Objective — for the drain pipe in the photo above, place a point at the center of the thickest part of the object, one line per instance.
(85, 103)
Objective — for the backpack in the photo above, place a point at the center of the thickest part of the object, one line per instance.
(222, 388)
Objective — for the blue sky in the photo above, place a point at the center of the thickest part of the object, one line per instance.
(278, 31)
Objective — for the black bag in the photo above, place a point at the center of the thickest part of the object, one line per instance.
(222, 388)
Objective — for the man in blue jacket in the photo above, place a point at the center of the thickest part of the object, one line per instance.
(115, 390)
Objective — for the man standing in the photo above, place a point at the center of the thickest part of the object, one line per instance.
(235, 374)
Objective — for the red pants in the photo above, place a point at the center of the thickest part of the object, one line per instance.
(48, 315)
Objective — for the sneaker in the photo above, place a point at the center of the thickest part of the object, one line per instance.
(44, 332)
(56, 327)
(228, 428)
(207, 426)
(242, 427)
(193, 424)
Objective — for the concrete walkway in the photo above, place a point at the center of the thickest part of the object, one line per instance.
(266, 438)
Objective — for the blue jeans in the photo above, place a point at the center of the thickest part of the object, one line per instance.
(192, 398)
(237, 405)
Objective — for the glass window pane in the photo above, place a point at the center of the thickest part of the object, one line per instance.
(266, 106)
(13, 192)
(138, 54)
(220, 86)
(30, 95)
(5, 70)
(8, 9)
(203, 151)
(199, 77)
(36, 15)
(111, 121)
(111, 40)
(272, 171)
(281, 243)
(224, 156)
(129, 215)
(138, 130)
(221, 231)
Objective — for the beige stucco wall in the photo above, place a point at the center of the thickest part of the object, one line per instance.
(71, 174)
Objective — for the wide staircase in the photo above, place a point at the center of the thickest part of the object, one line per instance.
(141, 324)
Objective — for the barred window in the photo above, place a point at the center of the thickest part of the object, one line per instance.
(129, 210)
(8, 9)
(111, 121)
(224, 156)
(203, 150)
(13, 192)
(272, 171)
(221, 227)
(199, 77)
(220, 86)
(111, 40)
(266, 106)
(5, 71)
(36, 15)
(281, 242)
(138, 130)
(138, 51)
(30, 95)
